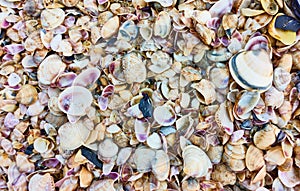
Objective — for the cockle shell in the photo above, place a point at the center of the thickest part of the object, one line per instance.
(164, 115)
(161, 165)
(282, 78)
(74, 135)
(75, 100)
(110, 27)
(41, 182)
(27, 95)
(252, 70)
(205, 91)
(134, 68)
(196, 162)
(254, 158)
(49, 69)
(52, 18)
(162, 25)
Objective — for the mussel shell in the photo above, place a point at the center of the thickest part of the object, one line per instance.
(285, 22)
(252, 70)
(295, 6)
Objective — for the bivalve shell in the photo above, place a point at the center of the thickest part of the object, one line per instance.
(282, 78)
(110, 27)
(265, 137)
(162, 25)
(205, 91)
(252, 70)
(134, 68)
(27, 95)
(52, 18)
(254, 158)
(41, 182)
(161, 165)
(164, 115)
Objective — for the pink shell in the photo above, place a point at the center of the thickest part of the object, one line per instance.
(10, 121)
(220, 8)
(14, 49)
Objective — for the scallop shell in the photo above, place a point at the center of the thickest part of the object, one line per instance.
(254, 158)
(52, 18)
(78, 131)
(41, 182)
(49, 69)
(162, 25)
(75, 100)
(252, 70)
(206, 93)
(196, 162)
(134, 68)
(110, 27)
(282, 78)
(164, 115)
(161, 165)
(27, 95)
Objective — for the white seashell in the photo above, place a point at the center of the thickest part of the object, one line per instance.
(161, 165)
(41, 145)
(141, 129)
(123, 155)
(52, 18)
(154, 141)
(161, 62)
(75, 100)
(206, 92)
(49, 69)
(290, 178)
(223, 119)
(246, 103)
(110, 27)
(128, 31)
(107, 149)
(41, 182)
(164, 115)
(162, 25)
(134, 68)
(273, 97)
(35, 109)
(143, 158)
(282, 78)
(87, 77)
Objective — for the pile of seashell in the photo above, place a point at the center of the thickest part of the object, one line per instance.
(150, 95)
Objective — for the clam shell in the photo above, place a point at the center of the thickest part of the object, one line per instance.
(75, 100)
(223, 175)
(78, 131)
(134, 68)
(206, 93)
(161, 61)
(143, 158)
(275, 156)
(265, 138)
(41, 182)
(282, 78)
(87, 78)
(164, 115)
(252, 70)
(85, 177)
(196, 162)
(128, 31)
(246, 103)
(254, 158)
(107, 149)
(52, 18)
(223, 119)
(162, 25)
(110, 27)
(161, 165)
(290, 178)
(49, 69)
(27, 95)
(270, 6)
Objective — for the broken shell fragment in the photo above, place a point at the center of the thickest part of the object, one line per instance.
(252, 70)
(290, 178)
(75, 100)
(27, 95)
(270, 6)
(87, 78)
(254, 158)
(143, 158)
(162, 25)
(41, 145)
(161, 165)
(222, 174)
(110, 27)
(128, 31)
(164, 115)
(52, 18)
(134, 68)
(41, 182)
(85, 177)
(205, 91)
(161, 61)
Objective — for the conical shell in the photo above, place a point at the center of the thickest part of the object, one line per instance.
(252, 70)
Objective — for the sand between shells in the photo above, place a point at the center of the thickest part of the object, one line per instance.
(150, 95)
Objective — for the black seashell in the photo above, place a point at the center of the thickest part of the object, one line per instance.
(285, 22)
(295, 6)
(91, 156)
(145, 106)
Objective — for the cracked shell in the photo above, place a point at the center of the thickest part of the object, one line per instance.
(205, 91)
(75, 100)
(252, 70)
(52, 18)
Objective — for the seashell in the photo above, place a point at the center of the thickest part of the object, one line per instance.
(78, 131)
(164, 3)
(206, 35)
(235, 151)
(107, 149)
(154, 141)
(273, 97)
(105, 185)
(295, 5)
(35, 109)
(85, 177)
(275, 156)
(265, 137)
(286, 37)
(223, 119)
(190, 74)
(202, 17)
(229, 23)
(191, 184)
(143, 158)
(27, 95)
(289, 178)
(128, 31)
(270, 6)
(133, 64)
(52, 18)
(234, 164)
(161, 165)
(286, 62)
(215, 154)
(259, 176)
(162, 25)
(164, 115)
(257, 43)
(161, 61)
(145, 106)
(14, 49)
(41, 182)
(65, 80)
(75, 100)
(41, 145)
(219, 77)
(285, 110)
(70, 3)
(254, 158)
(248, 12)
(196, 162)
(285, 22)
(223, 175)
(282, 78)
(23, 164)
(287, 149)
(246, 103)
(49, 69)
(141, 129)
(220, 8)
(252, 70)
(87, 77)
(123, 155)
(13, 79)
(218, 55)
(287, 165)
(110, 27)
(205, 91)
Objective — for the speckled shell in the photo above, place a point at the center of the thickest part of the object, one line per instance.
(134, 68)
(52, 18)
(252, 70)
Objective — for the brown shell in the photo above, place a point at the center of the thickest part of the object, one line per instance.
(254, 158)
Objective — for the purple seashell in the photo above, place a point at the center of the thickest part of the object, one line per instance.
(141, 129)
(108, 91)
(5, 24)
(14, 49)
(85, 34)
(10, 121)
(87, 78)
(257, 43)
(52, 163)
(19, 25)
(236, 34)
(65, 80)
(54, 44)
(224, 41)
(60, 30)
(113, 175)
(220, 8)
(103, 103)
(236, 135)
(69, 21)
(213, 23)
(216, 43)
(101, 2)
